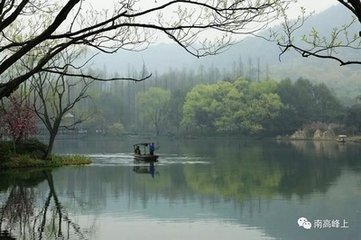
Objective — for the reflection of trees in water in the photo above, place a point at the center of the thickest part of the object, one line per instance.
(244, 180)
(17, 210)
(330, 149)
(345, 153)
(20, 215)
(262, 170)
(316, 165)
(238, 172)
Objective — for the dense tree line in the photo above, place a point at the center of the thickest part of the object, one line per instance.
(214, 102)
(211, 101)
(304, 103)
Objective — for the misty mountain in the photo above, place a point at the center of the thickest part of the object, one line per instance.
(250, 53)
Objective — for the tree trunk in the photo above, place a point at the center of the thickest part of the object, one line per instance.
(50, 145)
(53, 131)
(14, 146)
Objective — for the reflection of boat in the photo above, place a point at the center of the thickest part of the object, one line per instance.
(146, 154)
(145, 169)
(341, 138)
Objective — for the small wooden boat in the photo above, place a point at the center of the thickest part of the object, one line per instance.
(146, 157)
(146, 154)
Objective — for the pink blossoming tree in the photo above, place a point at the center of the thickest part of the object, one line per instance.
(17, 119)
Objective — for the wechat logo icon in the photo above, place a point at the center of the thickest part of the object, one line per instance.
(303, 222)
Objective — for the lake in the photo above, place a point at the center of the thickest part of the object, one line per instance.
(200, 189)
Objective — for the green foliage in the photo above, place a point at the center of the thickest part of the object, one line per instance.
(240, 106)
(30, 154)
(31, 147)
(28, 161)
(5, 150)
(61, 160)
(305, 102)
(200, 103)
(175, 110)
(353, 118)
(201, 106)
(153, 107)
(110, 106)
(109, 110)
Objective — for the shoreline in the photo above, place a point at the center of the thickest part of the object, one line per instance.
(24, 161)
(353, 139)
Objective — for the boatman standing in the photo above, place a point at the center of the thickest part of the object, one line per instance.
(151, 148)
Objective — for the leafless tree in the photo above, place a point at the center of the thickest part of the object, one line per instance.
(55, 95)
(341, 39)
(42, 29)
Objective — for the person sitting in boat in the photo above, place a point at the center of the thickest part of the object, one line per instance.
(137, 150)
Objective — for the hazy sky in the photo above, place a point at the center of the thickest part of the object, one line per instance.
(316, 5)
(294, 11)
(310, 5)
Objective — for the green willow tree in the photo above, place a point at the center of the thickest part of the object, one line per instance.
(200, 107)
(153, 107)
(109, 111)
(239, 106)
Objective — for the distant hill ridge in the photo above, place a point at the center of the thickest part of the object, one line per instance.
(252, 51)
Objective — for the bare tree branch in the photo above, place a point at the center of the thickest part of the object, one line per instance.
(57, 26)
(354, 6)
(88, 76)
(6, 22)
(55, 94)
(341, 39)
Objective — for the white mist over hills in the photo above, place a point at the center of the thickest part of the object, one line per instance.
(165, 56)
(252, 53)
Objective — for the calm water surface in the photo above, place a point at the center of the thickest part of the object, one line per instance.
(199, 189)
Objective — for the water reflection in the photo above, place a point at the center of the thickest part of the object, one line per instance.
(29, 215)
(200, 190)
(331, 149)
(142, 168)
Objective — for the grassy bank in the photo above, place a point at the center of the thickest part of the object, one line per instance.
(354, 139)
(27, 161)
(29, 153)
